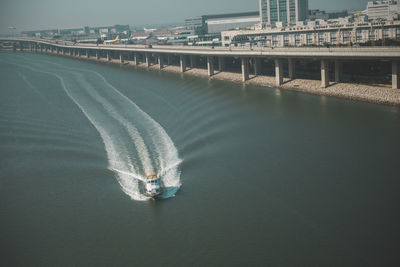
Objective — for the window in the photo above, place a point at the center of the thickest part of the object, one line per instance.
(298, 39)
(273, 10)
(274, 41)
(321, 38)
(286, 39)
(309, 38)
(359, 36)
(333, 37)
(346, 36)
(397, 32)
(386, 33)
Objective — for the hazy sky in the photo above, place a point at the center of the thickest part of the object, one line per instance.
(44, 14)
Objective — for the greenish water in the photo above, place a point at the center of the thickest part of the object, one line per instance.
(255, 176)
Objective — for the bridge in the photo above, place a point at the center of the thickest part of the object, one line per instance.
(215, 57)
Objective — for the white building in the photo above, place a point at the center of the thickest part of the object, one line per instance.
(383, 10)
(314, 35)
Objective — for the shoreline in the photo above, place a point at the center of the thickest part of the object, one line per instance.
(351, 91)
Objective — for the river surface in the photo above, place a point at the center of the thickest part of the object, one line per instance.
(253, 176)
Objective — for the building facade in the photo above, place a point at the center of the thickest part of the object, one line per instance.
(383, 10)
(322, 35)
(285, 11)
(209, 24)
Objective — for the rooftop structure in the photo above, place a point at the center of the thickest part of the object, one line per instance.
(383, 10)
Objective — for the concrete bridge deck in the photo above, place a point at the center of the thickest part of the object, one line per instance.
(246, 55)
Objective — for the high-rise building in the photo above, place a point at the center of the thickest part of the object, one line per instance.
(286, 11)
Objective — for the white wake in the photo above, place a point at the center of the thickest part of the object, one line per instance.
(135, 143)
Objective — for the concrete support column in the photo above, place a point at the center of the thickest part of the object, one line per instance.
(161, 61)
(257, 66)
(31, 47)
(324, 73)
(192, 61)
(338, 71)
(147, 60)
(245, 69)
(108, 56)
(135, 59)
(87, 54)
(97, 54)
(395, 75)
(63, 51)
(291, 68)
(221, 63)
(210, 66)
(183, 63)
(121, 58)
(278, 72)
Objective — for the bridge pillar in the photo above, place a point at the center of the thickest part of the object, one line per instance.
(210, 66)
(221, 64)
(21, 46)
(31, 47)
(395, 74)
(108, 56)
(278, 72)
(183, 63)
(147, 60)
(338, 71)
(121, 57)
(97, 55)
(135, 59)
(257, 66)
(161, 61)
(192, 61)
(63, 51)
(245, 69)
(324, 73)
(87, 53)
(291, 68)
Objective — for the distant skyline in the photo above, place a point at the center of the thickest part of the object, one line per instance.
(49, 14)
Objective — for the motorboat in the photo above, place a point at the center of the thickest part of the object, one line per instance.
(152, 185)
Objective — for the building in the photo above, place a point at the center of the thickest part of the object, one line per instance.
(285, 11)
(314, 14)
(211, 24)
(315, 35)
(78, 33)
(383, 10)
